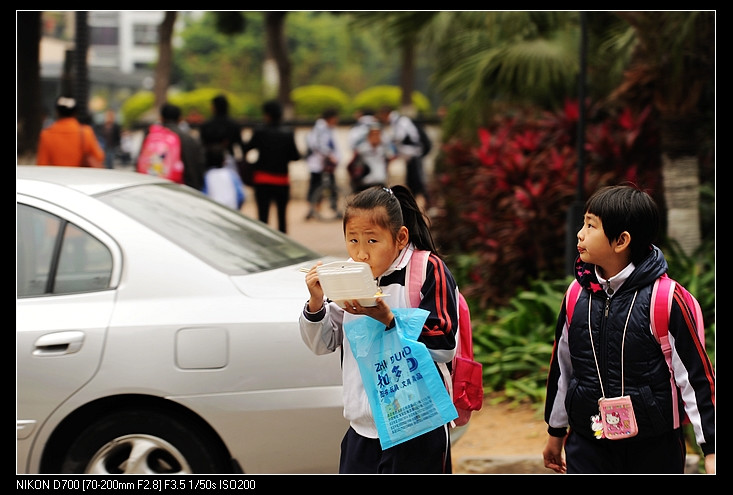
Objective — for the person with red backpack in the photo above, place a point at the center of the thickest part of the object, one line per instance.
(384, 227)
(612, 403)
(171, 152)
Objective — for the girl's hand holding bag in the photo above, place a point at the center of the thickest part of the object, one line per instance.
(405, 390)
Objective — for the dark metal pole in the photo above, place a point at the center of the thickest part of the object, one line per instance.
(575, 213)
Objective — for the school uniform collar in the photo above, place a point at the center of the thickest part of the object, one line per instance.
(612, 285)
(401, 261)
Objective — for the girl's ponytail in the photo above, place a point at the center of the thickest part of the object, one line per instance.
(414, 219)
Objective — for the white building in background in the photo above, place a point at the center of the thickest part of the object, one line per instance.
(123, 46)
(126, 40)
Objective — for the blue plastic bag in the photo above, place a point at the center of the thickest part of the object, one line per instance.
(404, 387)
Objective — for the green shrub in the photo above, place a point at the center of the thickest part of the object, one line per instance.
(311, 101)
(378, 96)
(514, 342)
(308, 101)
(136, 108)
(197, 101)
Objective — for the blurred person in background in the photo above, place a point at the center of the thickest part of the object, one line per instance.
(191, 151)
(67, 141)
(221, 183)
(406, 139)
(322, 158)
(221, 131)
(360, 129)
(369, 167)
(275, 145)
(111, 136)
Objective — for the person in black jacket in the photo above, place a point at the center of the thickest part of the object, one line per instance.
(221, 131)
(276, 147)
(608, 351)
(192, 153)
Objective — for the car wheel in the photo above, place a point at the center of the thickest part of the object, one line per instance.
(143, 442)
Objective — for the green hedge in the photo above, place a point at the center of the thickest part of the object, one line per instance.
(308, 101)
(379, 96)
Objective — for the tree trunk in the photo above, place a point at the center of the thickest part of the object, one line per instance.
(682, 196)
(681, 178)
(277, 58)
(165, 58)
(28, 81)
(407, 77)
(675, 61)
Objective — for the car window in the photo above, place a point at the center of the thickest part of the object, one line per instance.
(57, 257)
(220, 236)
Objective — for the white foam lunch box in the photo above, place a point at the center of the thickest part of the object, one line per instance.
(349, 280)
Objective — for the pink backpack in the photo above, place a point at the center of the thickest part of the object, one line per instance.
(661, 305)
(465, 384)
(161, 154)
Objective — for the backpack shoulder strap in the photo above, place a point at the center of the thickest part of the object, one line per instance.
(571, 297)
(465, 342)
(661, 305)
(415, 275)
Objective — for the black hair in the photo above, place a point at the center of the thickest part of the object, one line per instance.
(626, 208)
(329, 112)
(214, 157)
(221, 105)
(274, 110)
(66, 106)
(170, 112)
(65, 111)
(400, 208)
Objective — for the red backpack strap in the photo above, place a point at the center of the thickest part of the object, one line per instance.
(415, 276)
(661, 305)
(415, 273)
(465, 342)
(571, 297)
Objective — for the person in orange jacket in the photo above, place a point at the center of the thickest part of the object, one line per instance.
(67, 141)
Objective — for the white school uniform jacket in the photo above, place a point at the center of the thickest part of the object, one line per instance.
(323, 333)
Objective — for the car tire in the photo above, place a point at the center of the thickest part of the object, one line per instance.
(144, 442)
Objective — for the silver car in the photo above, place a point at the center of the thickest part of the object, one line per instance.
(157, 333)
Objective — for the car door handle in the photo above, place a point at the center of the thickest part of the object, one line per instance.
(54, 344)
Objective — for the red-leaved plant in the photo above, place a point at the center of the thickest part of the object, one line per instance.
(503, 199)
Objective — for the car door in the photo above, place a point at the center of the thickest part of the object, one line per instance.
(67, 272)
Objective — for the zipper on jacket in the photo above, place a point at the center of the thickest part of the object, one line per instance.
(603, 336)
